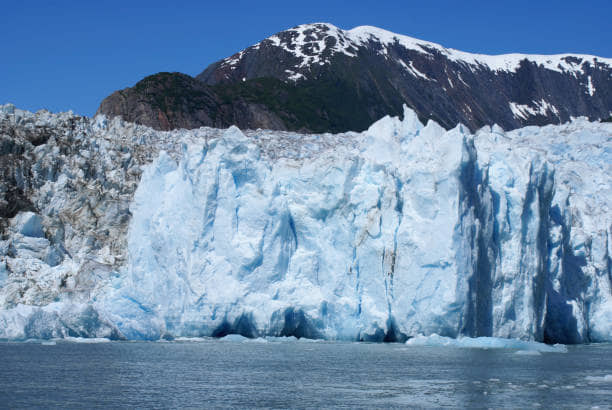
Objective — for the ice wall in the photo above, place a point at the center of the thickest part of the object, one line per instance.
(399, 231)
(403, 230)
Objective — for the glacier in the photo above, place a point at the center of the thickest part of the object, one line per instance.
(403, 230)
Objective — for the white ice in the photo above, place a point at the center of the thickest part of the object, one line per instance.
(522, 347)
(405, 229)
(600, 379)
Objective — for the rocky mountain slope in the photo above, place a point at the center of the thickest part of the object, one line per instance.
(319, 78)
(114, 230)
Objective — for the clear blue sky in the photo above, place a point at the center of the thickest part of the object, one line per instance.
(69, 55)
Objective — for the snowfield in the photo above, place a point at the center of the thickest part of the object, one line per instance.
(314, 44)
(401, 231)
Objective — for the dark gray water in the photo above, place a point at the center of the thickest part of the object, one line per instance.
(297, 374)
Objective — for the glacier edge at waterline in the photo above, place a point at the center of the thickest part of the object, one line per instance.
(399, 231)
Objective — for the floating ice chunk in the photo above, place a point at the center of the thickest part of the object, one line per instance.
(600, 379)
(191, 339)
(528, 353)
(282, 339)
(257, 340)
(234, 338)
(307, 340)
(87, 339)
(484, 343)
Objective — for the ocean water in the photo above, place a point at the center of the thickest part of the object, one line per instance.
(281, 374)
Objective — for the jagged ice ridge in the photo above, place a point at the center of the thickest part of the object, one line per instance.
(399, 231)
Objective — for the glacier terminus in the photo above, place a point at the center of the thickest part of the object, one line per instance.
(118, 231)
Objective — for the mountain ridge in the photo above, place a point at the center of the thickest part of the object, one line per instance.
(319, 78)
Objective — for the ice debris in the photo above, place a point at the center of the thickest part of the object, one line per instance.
(522, 346)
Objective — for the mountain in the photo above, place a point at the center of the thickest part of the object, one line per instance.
(319, 78)
(112, 229)
(167, 101)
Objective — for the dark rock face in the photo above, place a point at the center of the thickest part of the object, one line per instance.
(163, 101)
(320, 78)
(168, 101)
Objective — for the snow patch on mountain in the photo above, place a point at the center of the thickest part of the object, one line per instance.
(315, 44)
(503, 62)
(590, 88)
(413, 70)
(541, 107)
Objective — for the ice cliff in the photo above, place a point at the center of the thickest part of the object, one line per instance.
(125, 232)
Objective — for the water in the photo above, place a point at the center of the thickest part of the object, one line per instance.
(215, 373)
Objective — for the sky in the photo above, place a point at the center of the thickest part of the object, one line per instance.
(69, 55)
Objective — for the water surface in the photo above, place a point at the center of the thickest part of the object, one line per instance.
(216, 373)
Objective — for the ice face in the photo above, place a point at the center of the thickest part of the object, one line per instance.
(403, 230)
